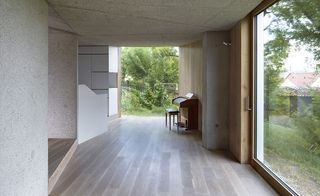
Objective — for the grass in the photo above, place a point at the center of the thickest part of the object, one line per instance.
(155, 111)
(144, 113)
(286, 152)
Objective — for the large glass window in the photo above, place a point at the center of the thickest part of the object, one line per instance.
(288, 93)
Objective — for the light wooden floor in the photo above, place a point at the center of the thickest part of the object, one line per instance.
(139, 156)
(57, 149)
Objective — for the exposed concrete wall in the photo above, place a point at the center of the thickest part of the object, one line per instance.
(190, 72)
(215, 90)
(23, 97)
(62, 85)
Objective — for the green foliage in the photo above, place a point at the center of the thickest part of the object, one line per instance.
(146, 73)
(275, 53)
(309, 127)
(279, 105)
(130, 100)
(160, 95)
(291, 146)
(316, 103)
(299, 20)
(294, 23)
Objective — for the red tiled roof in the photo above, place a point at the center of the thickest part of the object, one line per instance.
(303, 80)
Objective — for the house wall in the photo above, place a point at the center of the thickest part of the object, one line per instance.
(62, 85)
(190, 72)
(215, 92)
(23, 97)
(239, 116)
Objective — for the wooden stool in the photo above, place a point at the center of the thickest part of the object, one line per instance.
(172, 112)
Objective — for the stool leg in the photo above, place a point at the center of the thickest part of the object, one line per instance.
(166, 119)
(174, 117)
(178, 128)
(178, 123)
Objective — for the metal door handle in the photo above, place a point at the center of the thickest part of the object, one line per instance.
(248, 108)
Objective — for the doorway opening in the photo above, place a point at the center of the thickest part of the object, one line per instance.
(149, 80)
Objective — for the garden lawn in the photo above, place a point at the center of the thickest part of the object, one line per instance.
(286, 152)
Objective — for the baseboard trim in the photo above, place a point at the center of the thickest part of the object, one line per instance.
(113, 117)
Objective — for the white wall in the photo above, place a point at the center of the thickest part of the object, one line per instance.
(260, 89)
(23, 97)
(113, 101)
(92, 114)
(190, 73)
(114, 61)
(215, 90)
(62, 85)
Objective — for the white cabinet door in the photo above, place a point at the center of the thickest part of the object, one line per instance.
(113, 80)
(99, 49)
(99, 81)
(99, 62)
(113, 59)
(84, 72)
(113, 101)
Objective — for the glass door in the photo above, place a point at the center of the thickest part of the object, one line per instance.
(287, 91)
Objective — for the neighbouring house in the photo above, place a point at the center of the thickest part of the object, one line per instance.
(299, 87)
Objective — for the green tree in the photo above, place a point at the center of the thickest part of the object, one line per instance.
(147, 71)
(293, 21)
(276, 52)
(299, 20)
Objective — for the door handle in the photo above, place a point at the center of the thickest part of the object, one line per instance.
(248, 107)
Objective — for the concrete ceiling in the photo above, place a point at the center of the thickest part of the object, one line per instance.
(146, 22)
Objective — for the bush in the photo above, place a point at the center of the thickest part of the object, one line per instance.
(147, 74)
(309, 128)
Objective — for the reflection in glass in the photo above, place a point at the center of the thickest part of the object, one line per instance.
(288, 92)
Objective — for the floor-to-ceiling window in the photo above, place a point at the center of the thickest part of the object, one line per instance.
(287, 90)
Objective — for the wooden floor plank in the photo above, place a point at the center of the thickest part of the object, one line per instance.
(139, 156)
(57, 149)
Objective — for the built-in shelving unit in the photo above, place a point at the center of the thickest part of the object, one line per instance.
(94, 68)
(98, 70)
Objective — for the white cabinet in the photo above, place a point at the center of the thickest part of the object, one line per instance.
(113, 101)
(113, 80)
(99, 62)
(114, 64)
(99, 80)
(98, 70)
(84, 70)
(93, 67)
(114, 54)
